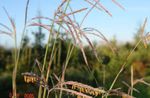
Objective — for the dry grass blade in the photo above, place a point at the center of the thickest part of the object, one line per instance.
(70, 31)
(84, 56)
(74, 12)
(78, 40)
(142, 33)
(100, 35)
(67, 29)
(11, 21)
(119, 93)
(93, 5)
(41, 17)
(6, 27)
(74, 19)
(147, 38)
(61, 5)
(56, 77)
(114, 1)
(58, 22)
(90, 43)
(47, 27)
(143, 27)
(141, 81)
(144, 82)
(90, 31)
(129, 88)
(38, 64)
(132, 78)
(7, 33)
(145, 42)
(103, 7)
(134, 82)
(74, 92)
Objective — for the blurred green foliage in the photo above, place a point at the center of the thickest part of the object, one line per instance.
(101, 72)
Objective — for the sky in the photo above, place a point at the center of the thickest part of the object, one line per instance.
(122, 25)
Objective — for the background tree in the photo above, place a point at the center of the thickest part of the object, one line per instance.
(38, 42)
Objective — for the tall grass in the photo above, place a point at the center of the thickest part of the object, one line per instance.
(74, 30)
(64, 18)
(12, 33)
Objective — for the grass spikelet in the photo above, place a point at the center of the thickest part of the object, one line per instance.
(85, 88)
(114, 1)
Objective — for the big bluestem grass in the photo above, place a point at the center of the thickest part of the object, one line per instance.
(12, 33)
(64, 18)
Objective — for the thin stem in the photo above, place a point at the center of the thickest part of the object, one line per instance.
(132, 80)
(123, 66)
(44, 93)
(17, 53)
(15, 68)
(45, 56)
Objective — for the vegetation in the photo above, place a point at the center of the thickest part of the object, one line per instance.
(65, 67)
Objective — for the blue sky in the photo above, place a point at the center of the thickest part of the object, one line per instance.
(123, 24)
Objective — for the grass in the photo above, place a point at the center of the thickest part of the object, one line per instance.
(64, 18)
